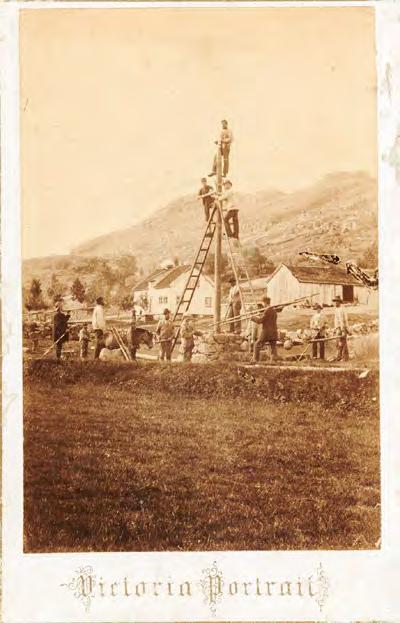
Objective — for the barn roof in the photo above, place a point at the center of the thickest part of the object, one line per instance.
(320, 274)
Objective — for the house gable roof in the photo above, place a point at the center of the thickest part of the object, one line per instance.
(164, 277)
(320, 274)
(144, 284)
(170, 275)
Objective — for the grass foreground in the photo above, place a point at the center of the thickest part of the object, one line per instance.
(184, 457)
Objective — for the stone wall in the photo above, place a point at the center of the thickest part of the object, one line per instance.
(211, 347)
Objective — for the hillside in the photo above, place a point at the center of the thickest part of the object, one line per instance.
(338, 214)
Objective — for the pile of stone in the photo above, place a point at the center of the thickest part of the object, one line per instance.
(211, 347)
(304, 335)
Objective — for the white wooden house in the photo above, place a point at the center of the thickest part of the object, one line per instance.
(164, 287)
(287, 283)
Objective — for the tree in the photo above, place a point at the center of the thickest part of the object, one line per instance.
(209, 265)
(55, 289)
(35, 296)
(125, 266)
(125, 302)
(96, 289)
(257, 263)
(370, 257)
(78, 290)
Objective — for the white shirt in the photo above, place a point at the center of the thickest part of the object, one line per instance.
(228, 200)
(234, 293)
(318, 321)
(98, 318)
(226, 136)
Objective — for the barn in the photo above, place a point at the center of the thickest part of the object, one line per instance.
(287, 283)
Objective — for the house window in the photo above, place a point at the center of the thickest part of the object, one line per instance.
(208, 301)
(163, 300)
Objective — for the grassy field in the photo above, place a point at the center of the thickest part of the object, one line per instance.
(176, 457)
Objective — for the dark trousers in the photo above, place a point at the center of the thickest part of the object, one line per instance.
(342, 350)
(59, 346)
(232, 218)
(99, 342)
(260, 343)
(84, 349)
(207, 210)
(225, 149)
(165, 350)
(233, 311)
(321, 347)
(187, 348)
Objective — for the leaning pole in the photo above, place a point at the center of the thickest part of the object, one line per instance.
(218, 250)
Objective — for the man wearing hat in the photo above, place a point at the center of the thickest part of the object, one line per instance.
(98, 325)
(60, 329)
(341, 330)
(234, 307)
(225, 141)
(318, 327)
(165, 333)
(207, 195)
(231, 210)
(269, 331)
(187, 336)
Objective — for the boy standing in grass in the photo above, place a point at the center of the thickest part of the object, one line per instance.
(84, 339)
(188, 332)
(318, 326)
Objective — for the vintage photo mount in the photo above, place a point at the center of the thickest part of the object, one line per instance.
(201, 586)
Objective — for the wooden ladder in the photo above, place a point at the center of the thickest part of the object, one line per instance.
(195, 272)
(121, 343)
(239, 267)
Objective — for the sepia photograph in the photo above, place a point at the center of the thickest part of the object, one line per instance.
(200, 287)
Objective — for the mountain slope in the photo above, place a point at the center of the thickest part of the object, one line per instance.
(338, 214)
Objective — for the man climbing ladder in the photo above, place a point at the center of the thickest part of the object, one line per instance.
(230, 210)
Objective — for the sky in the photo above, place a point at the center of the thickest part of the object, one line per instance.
(120, 108)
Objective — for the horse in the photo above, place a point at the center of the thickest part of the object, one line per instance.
(135, 336)
(140, 336)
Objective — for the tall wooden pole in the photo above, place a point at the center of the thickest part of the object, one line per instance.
(218, 250)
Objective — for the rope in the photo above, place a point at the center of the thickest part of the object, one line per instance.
(53, 344)
(258, 312)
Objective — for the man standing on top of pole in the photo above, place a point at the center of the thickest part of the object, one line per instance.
(224, 142)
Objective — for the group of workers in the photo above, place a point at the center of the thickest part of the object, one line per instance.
(318, 326)
(166, 332)
(61, 330)
(209, 195)
(262, 329)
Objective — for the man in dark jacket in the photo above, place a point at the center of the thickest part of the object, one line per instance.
(60, 329)
(269, 332)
